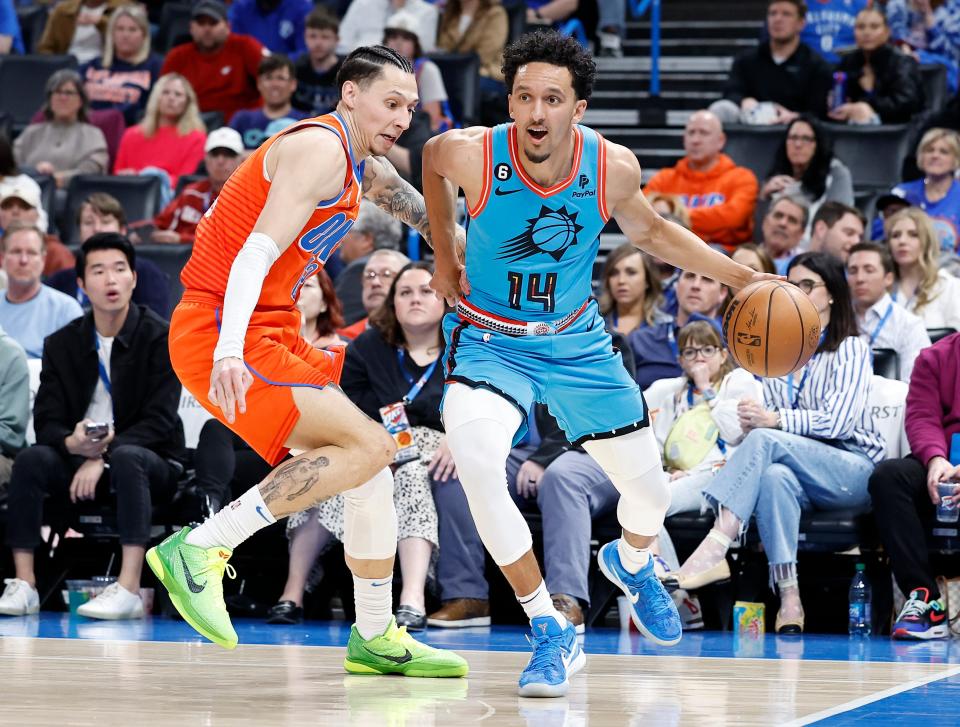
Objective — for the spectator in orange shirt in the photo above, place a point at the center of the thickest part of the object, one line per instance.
(220, 65)
(720, 196)
(178, 221)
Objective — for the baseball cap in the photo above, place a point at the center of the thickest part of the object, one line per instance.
(224, 138)
(893, 197)
(25, 193)
(404, 22)
(209, 8)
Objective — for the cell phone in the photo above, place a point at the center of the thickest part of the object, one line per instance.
(96, 430)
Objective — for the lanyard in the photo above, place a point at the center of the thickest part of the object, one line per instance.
(895, 293)
(672, 341)
(720, 443)
(416, 387)
(104, 377)
(881, 324)
(795, 401)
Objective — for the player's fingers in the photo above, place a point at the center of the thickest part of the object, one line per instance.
(226, 400)
(240, 391)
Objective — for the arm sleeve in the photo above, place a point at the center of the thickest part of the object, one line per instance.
(923, 419)
(844, 396)
(735, 212)
(15, 398)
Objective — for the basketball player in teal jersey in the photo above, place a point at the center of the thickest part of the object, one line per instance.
(538, 193)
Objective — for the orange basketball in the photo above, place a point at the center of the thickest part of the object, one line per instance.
(771, 328)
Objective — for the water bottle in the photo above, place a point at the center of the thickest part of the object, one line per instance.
(838, 94)
(860, 597)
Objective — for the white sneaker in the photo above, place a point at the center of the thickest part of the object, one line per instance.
(115, 603)
(19, 598)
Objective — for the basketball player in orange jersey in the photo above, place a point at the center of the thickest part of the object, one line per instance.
(235, 344)
(539, 191)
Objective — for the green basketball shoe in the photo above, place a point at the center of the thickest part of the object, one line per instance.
(396, 652)
(194, 578)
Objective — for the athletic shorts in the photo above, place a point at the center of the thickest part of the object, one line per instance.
(274, 352)
(577, 373)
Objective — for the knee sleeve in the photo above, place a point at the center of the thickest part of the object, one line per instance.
(480, 426)
(632, 462)
(370, 519)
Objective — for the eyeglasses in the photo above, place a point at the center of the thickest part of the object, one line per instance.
(807, 285)
(801, 138)
(690, 354)
(382, 274)
(65, 92)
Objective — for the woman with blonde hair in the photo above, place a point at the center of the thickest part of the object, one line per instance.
(169, 141)
(938, 192)
(630, 295)
(122, 77)
(919, 284)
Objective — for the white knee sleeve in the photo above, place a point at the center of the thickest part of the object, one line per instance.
(480, 426)
(370, 519)
(632, 462)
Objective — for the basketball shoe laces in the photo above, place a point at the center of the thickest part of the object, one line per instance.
(546, 653)
(915, 608)
(653, 595)
(217, 566)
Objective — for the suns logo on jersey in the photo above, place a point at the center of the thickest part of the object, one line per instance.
(552, 232)
(319, 243)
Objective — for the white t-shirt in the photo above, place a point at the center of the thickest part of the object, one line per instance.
(100, 408)
(430, 83)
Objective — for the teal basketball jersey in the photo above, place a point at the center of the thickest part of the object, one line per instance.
(530, 250)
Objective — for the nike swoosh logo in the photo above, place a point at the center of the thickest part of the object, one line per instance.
(385, 583)
(407, 656)
(634, 597)
(937, 619)
(504, 192)
(191, 584)
(260, 513)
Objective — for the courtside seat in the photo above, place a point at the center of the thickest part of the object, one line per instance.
(138, 195)
(461, 76)
(22, 83)
(170, 259)
(754, 147)
(874, 154)
(935, 90)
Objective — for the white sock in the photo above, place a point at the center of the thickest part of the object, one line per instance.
(234, 523)
(373, 598)
(632, 559)
(538, 604)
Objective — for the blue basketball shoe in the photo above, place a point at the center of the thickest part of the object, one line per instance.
(654, 612)
(557, 656)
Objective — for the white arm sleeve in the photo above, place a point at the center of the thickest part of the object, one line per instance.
(250, 267)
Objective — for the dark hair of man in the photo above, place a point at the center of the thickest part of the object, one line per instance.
(365, 64)
(549, 46)
(800, 5)
(322, 19)
(274, 62)
(843, 321)
(105, 241)
(832, 212)
(886, 259)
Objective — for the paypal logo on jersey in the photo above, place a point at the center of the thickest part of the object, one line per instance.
(320, 242)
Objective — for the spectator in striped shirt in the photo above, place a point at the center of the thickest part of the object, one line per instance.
(811, 444)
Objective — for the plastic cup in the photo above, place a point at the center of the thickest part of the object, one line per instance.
(947, 510)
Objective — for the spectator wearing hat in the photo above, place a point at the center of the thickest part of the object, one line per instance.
(77, 27)
(365, 21)
(21, 203)
(30, 311)
(276, 82)
(403, 34)
(278, 24)
(316, 70)
(220, 65)
(177, 223)
(887, 206)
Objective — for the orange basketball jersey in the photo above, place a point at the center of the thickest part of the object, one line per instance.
(230, 220)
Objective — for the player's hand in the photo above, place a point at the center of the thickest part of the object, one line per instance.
(229, 382)
(757, 277)
(446, 282)
(442, 467)
(84, 483)
(528, 479)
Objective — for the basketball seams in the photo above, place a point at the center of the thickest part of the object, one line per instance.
(803, 336)
(736, 320)
(766, 338)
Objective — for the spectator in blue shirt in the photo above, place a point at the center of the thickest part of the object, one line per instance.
(938, 192)
(829, 28)
(31, 311)
(278, 24)
(11, 40)
(276, 82)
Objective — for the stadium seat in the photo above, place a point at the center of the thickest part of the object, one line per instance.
(937, 333)
(170, 259)
(516, 19)
(461, 76)
(754, 147)
(22, 83)
(212, 120)
(886, 363)
(32, 19)
(174, 26)
(873, 154)
(139, 196)
(186, 179)
(935, 89)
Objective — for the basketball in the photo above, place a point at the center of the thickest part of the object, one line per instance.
(771, 328)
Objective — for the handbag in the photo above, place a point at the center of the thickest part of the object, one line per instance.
(691, 438)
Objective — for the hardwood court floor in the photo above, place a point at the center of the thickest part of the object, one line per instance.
(101, 681)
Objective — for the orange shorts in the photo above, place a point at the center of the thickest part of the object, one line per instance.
(274, 353)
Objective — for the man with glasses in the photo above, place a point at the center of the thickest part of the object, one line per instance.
(30, 311)
(378, 274)
(720, 195)
(276, 82)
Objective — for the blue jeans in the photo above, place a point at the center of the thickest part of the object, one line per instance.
(777, 476)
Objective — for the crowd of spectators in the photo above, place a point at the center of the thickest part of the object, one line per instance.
(882, 277)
